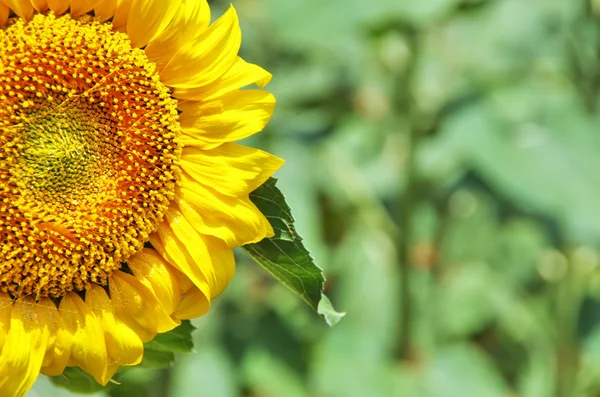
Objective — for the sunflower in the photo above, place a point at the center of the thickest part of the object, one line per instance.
(122, 192)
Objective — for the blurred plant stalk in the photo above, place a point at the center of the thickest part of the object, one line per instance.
(404, 106)
(567, 297)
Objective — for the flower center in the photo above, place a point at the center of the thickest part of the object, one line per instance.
(88, 157)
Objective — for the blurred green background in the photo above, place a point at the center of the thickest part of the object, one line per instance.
(443, 165)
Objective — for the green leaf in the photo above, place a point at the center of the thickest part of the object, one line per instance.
(270, 375)
(325, 309)
(157, 359)
(159, 352)
(284, 255)
(77, 380)
(462, 370)
(178, 340)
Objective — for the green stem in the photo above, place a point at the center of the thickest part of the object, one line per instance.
(567, 302)
(407, 206)
(435, 269)
(163, 384)
(404, 104)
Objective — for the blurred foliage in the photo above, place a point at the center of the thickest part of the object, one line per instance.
(443, 165)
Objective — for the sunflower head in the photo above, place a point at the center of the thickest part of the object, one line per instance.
(88, 158)
(122, 193)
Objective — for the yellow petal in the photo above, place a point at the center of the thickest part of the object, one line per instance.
(231, 169)
(147, 18)
(238, 76)
(156, 274)
(24, 9)
(185, 284)
(167, 244)
(136, 306)
(80, 7)
(193, 304)
(122, 15)
(208, 56)
(4, 13)
(5, 308)
(190, 20)
(223, 263)
(23, 351)
(59, 6)
(206, 260)
(123, 345)
(40, 5)
(231, 117)
(88, 349)
(58, 350)
(105, 9)
(234, 220)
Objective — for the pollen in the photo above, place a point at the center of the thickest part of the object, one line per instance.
(88, 153)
